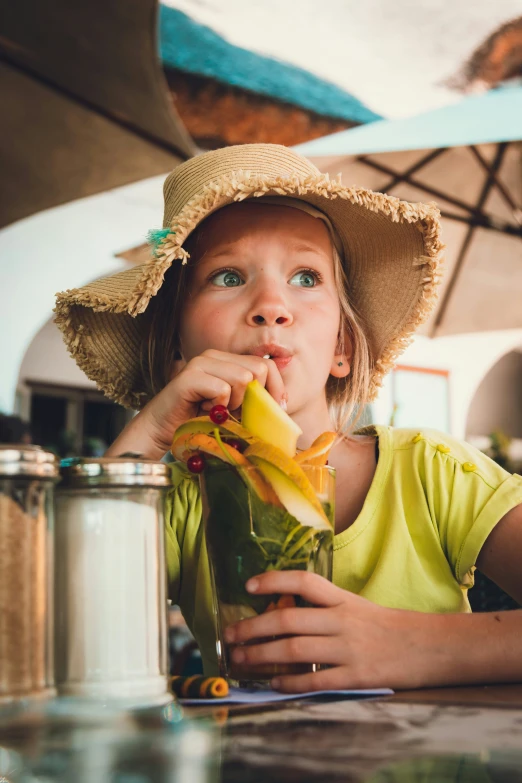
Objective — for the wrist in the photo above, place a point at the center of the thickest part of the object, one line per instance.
(140, 436)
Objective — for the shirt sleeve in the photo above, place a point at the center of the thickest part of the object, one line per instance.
(182, 503)
(468, 494)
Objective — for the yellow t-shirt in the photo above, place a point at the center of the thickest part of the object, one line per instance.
(432, 503)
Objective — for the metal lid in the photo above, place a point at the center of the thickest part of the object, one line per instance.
(17, 459)
(113, 471)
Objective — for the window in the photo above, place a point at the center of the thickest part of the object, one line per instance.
(74, 421)
(420, 398)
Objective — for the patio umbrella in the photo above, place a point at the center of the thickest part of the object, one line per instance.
(466, 158)
(85, 105)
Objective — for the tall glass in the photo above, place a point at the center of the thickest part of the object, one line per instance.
(247, 536)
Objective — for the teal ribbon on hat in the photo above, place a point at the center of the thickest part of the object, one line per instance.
(156, 236)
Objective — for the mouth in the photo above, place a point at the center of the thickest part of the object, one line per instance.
(279, 355)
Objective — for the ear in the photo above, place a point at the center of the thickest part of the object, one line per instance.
(341, 364)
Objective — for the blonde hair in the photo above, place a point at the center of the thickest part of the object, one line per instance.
(346, 397)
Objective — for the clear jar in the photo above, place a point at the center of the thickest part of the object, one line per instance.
(27, 476)
(110, 585)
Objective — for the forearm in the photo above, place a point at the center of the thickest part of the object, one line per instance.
(138, 437)
(365, 645)
(465, 648)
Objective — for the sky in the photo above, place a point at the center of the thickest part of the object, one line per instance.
(394, 57)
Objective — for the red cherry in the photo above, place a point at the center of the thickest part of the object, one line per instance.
(196, 463)
(236, 444)
(218, 414)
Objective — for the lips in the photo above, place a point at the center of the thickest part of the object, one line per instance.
(279, 355)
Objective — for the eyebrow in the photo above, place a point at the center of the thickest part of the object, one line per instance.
(302, 246)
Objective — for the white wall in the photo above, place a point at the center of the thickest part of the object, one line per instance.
(467, 358)
(62, 248)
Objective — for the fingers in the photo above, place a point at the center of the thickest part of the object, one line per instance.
(234, 376)
(336, 678)
(313, 588)
(191, 387)
(237, 371)
(282, 622)
(257, 366)
(296, 649)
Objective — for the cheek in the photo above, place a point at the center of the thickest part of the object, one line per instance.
(203, 326)
(322, 323)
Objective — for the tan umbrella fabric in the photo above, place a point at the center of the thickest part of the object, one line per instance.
(478, 189)
(467, 158)
(481, 287)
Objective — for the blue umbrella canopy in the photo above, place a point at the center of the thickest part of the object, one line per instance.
(494, 116)
(467, 158)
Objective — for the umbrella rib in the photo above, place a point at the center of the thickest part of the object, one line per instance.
(416, 184)
(484, 221)
(416, 167)
(486, 188)
(504, 192)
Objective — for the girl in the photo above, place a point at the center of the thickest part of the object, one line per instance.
(263, 256)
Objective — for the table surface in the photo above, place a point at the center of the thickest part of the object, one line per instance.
(434, 736)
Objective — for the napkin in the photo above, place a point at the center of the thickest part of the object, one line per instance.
(256, 696)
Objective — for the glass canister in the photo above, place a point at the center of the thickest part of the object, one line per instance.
(27, 477)
(110, 580)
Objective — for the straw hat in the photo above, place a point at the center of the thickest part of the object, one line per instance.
(392, 251)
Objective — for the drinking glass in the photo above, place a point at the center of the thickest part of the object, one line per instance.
(246, 536)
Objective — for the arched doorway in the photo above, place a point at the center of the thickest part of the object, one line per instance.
(496, 409)
(494, 424)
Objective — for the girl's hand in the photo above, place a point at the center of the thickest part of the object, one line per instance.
(213, 378)
(366, 645)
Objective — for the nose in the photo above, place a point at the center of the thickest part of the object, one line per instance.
(269, 308)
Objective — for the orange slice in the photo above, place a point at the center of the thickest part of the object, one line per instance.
(204, 425)
(184, 446)
(318, 452)
(189, 443)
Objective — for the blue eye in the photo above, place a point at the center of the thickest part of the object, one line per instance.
(227, 279)
(305, 279)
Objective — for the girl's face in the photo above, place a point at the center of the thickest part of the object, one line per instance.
(263, 283)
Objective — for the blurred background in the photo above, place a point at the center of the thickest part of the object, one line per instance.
(421, 99)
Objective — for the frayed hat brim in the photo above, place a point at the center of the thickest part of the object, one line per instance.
(392, 250)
